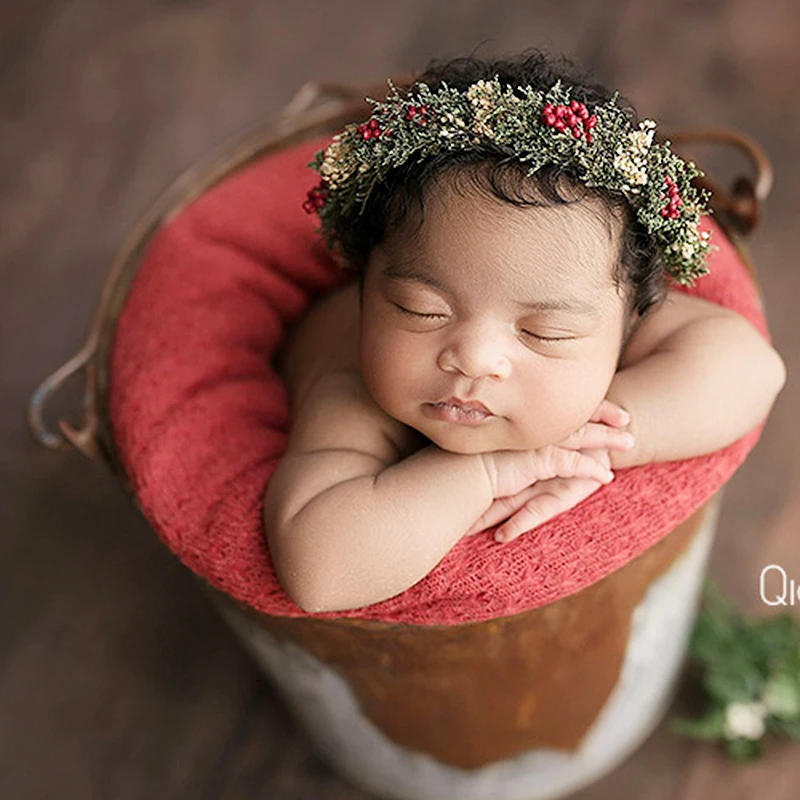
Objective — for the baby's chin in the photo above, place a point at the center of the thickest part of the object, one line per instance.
(472, 441)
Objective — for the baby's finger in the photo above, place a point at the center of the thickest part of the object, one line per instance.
(554, 497)
(501, 509)
(611, 414)
(594, 436)
(560, 462)
(536, 511)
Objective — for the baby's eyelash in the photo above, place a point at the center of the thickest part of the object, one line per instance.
(527, 333)
(548, 338)
(416, 313)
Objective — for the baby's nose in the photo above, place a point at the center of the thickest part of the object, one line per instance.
(476, 354)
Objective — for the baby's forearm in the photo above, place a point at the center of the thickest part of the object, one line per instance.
(370, 538)
(697, 394)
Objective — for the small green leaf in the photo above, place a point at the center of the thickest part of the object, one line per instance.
(734, 680)
(781, 694)
(782, 727)
(744, 749)
(708, 728)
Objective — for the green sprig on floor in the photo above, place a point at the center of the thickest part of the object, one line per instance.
(751, 675)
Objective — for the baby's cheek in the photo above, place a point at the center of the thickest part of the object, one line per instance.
(385, 370)
(570, 402)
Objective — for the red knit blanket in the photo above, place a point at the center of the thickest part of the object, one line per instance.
(200, 416)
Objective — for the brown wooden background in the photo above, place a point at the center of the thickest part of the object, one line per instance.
(116, 679)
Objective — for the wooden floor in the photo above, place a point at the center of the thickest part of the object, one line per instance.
(117, 681)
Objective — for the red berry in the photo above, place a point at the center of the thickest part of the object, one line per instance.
(591, 122)
(548, 109)
(574, 105)
(576, 133)
(373, 123)
(583, 112)
(560, 125)
(588, 137)
(664, 212)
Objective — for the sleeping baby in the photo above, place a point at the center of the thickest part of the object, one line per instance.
(514, 334)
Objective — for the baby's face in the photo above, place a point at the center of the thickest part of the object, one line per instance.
(513, 308)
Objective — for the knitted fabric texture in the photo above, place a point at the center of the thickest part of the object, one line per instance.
(200, 415)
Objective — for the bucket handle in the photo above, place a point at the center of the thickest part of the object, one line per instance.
(83, 439)
(743, 203)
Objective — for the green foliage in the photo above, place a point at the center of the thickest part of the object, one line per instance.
(746, 662)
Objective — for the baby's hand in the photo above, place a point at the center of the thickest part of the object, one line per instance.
(511, 471)
(539, 503)
(602, 430)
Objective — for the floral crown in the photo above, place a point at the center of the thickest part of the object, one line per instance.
(599, 144)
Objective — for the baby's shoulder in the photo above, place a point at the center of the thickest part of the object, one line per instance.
(330, 406)
(324, 340)
(678, 310)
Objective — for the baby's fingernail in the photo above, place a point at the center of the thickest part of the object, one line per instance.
(499, 537)
(609, 476)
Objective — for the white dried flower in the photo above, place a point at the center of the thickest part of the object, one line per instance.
(452, 119)
(483, 99)
(483, 129)
(334, 168)
(631, 156)
(745, 720)
(481, 94)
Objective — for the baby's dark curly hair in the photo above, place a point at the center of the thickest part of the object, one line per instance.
(491, 169)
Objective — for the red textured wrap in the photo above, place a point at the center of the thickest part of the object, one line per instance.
(200, 416)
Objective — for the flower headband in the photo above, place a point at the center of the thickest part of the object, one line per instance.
(599, 144)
